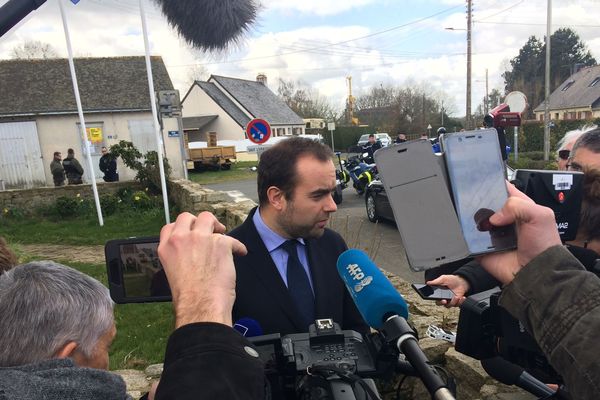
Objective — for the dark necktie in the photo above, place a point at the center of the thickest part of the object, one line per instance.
(298, 284)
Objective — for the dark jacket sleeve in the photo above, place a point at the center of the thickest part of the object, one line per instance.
(558, 302)
(210, 361)
(479, 279)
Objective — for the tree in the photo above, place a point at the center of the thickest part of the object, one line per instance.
(306, 101)
(32, 49)
(527, 72)
(197, 72)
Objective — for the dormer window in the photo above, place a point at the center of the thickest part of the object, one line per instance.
(595, 82)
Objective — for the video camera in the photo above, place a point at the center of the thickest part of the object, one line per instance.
(325, 363)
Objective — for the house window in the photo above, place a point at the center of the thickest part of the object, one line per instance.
(568, 85)
(595, 82)
(556, 116)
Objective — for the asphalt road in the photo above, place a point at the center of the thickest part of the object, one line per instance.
(381, 241)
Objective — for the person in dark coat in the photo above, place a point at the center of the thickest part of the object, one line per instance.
(57, 170)
(73, 168)
(108, 165)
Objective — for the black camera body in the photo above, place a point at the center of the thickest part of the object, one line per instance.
(294, 363)
(487, 330)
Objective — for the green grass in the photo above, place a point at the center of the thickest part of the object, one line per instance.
(83, 231)
(239, 171)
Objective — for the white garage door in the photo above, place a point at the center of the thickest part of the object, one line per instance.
(21, 165)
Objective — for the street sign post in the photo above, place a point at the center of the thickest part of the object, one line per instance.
(258, 131)
(331, 128)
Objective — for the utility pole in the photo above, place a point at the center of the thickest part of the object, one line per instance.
(487, 94)
(442, 112)
(468, 113)
(547, 94)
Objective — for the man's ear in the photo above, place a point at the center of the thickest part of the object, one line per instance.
(276, 197)
(66, 351)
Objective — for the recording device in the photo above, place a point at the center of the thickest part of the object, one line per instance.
(325, 363)
(428, 292)
(383, 308)
(135, 274)
(442, 203)
(486, 330)
(562, 191)
(511, 374)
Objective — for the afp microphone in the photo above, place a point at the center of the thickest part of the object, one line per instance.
(384, 309)
(248, 327)
(374, 295)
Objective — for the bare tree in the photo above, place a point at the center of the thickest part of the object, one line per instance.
(197, 72)
(306, 101)
(32, 49)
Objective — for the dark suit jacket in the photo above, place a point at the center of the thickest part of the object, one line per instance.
(262, 295)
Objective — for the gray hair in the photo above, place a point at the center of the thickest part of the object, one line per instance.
(572, 135)
(590, 140)
(43, 306)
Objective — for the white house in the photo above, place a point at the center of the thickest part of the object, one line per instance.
(38, 114)
(226, 105)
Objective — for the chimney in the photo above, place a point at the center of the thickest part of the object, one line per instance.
(262, 78)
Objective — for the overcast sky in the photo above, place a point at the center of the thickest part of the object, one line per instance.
(321, 42)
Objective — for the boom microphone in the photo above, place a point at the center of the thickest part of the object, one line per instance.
(383, 308)
(210, 24)
(374, 295)
(511, 374)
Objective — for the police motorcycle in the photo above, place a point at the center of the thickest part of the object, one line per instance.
(360, 169)
(341, 179)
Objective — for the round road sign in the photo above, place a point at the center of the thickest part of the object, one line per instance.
(258, 131)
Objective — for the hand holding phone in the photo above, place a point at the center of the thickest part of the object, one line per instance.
(428, 292)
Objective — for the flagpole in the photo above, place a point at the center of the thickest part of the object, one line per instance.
(163, 182)
(80, 112)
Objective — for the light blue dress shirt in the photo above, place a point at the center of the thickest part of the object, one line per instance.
(273, 241)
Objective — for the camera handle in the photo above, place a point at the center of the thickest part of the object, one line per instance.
(341, 382)
(396, 330)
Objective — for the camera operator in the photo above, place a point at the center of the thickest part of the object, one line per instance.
(550, 293)
(57, 325)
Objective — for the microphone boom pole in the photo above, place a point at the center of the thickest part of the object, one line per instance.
(396, 329)
(14, 11)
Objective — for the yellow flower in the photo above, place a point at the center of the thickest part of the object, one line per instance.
(137, 198)
(78, 195)
(146, 189)
(5, 211)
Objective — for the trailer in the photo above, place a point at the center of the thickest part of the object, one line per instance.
(212, 157)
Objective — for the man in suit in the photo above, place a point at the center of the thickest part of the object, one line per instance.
(289, 277)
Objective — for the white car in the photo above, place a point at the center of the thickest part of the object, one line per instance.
(384, 138)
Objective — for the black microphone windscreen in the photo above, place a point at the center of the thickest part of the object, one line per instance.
(210, 24)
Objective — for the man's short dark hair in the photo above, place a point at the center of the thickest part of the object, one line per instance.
(56, 153)
(277, 166)
(70, 151)
(371, 135)
(589, 140)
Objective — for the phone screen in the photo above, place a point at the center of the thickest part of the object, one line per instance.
(477, 178)
(135, 272)
(433, 292)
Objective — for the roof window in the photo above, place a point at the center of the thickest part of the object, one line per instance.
(568, 85)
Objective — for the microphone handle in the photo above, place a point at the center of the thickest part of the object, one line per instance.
(13, 11)
(396, 328)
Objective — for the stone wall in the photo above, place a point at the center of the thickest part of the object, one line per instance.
(30, 199)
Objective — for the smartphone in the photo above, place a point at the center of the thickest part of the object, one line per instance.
(135, 274)
(476, 174)
(415, 184)
(433, 292)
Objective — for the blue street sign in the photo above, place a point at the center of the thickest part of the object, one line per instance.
(258, 131)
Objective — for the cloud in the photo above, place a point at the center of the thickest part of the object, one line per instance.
(316, 7)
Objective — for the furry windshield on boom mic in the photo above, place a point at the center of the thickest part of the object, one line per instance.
(210, 24)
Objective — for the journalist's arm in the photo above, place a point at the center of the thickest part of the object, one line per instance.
(550, 292)
(205, 357)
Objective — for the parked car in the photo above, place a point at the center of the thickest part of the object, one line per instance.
(384, 138)
(378, 205)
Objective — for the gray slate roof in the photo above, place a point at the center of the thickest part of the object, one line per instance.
(579, 94)
(43, 86)
(224, 102)
(259, 100)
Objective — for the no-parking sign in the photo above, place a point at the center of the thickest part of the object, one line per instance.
(258, 131)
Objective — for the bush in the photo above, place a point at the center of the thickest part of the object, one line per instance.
(109, 204)
(147, 167)
(65, 207)
(141, 201)
(12, 212)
